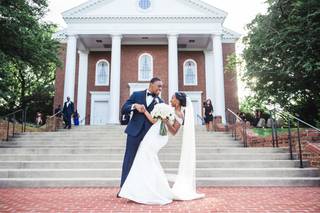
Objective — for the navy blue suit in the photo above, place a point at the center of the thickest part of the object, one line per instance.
(67, 113)
(137, 128)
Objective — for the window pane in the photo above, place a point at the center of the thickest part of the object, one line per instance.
(145, 67)
(102, 73)
(190, 72)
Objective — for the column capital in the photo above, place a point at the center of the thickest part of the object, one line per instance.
(216, 35)
(172, 35)
(116, 35)
(72, 36)
(85, 52)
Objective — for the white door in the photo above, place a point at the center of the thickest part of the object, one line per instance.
(100, 112)
(196, 111)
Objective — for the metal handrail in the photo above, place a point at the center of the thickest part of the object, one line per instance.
(12, 115)
(243, 125)
(83, 119)
(289, 116)
(298, 119)
(201, 118)
(55, 114)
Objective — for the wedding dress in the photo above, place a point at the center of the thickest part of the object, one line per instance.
(147, 183)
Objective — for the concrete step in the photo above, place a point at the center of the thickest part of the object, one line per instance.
(200, 172)
(91, 156)
(165, 163)
(118, 150)
(107, 144)
(201, 181)
(163, 156)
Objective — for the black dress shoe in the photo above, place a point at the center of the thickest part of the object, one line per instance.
(118, 195)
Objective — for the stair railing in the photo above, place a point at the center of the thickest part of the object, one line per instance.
(291, 118)
(234, 120)
(14, 118)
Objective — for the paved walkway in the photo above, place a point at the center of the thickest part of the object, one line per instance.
(226, 199)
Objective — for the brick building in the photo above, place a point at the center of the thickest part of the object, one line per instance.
(111, 48)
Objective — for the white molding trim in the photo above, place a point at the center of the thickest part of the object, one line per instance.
(139, 66)
(184, 73)
(137, 87)
(97, 96)
(196, 96)
(108, 73)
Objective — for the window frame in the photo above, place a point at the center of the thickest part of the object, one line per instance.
(195, 72)
(139, 67)
(108, 73)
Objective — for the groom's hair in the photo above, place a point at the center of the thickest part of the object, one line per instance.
(155, 79)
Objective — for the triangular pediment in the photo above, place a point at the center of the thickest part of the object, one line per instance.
(132, 8)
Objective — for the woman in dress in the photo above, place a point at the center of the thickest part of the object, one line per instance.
(208, 115)
(146, 182)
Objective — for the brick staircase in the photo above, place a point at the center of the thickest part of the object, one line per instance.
(92, 156)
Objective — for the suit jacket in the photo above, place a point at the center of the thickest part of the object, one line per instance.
(68, 110)
(138, 121)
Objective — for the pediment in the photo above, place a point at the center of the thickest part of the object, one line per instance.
(134, 8)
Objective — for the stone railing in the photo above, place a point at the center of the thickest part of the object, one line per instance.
(53, 123)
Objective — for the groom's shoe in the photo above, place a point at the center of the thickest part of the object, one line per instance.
(118, 195)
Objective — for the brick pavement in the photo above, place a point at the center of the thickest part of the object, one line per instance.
(218, 199)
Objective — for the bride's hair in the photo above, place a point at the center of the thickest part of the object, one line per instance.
(182, 97)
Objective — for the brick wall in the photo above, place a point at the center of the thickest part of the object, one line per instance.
(129, 67)
(93, 58)
(230, 80)
(59, 81)
(310, 143)
(198, 57)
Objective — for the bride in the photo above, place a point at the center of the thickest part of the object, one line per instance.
(146, 182)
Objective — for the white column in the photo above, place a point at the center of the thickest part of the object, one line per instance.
(114, 103)
(209, 76)
(173, 84)
(82, 85)
(218, 76)
(69, 80)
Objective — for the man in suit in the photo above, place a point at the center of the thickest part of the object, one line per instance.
(139, 125)
(68, 109)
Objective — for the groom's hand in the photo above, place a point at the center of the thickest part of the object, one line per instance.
(140, 108)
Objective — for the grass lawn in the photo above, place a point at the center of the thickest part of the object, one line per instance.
(264, 132)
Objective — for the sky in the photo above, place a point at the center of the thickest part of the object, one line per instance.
(240, 13)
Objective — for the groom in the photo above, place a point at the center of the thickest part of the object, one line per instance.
(139, 125)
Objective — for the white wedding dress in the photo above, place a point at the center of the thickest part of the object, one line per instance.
(147, 183)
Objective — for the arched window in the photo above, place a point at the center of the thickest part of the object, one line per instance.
(102, 73)
(190, 73)
(145, 67)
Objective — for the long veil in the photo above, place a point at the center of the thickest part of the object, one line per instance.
(184, 187)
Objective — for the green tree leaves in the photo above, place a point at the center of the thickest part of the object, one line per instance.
(28, 56)
(283, 55)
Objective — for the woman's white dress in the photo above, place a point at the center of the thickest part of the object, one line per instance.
(146, 182)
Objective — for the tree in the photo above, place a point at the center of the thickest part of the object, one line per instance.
(28, 56)
(282, 56)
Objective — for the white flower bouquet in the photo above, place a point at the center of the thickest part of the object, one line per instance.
(163, 111)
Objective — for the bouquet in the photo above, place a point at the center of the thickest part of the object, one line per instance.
(163, 111)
